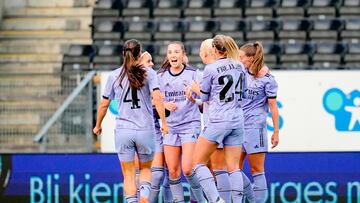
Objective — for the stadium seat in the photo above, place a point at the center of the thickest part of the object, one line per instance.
(350, 8)
(192, 51)
(141, 30)
(108, 57)
(294, 8)
(352, 58)
(326, 29)
(324, 7)
(168, 8)
(294, 28)
(264, 8)
(200, 29)
(272, 51)
(108, 32)
(228, 8)
(199, 8)
(352, 29)
(329, 54)
(107, 8)
(169, 30)
(233, 28)
(137, 8)
(296, 55)
(262, 30)
(78, 57)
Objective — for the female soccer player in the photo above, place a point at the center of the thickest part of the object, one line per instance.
(222, 85)
(135, 87)
(184, 121)
(217, 159)
(261, 95)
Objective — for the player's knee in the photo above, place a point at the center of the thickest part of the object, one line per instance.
(187, 170)
(174, 173)
(257, 169)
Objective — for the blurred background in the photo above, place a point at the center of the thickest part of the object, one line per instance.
(55, 56)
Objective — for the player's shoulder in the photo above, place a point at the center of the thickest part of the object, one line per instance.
(190, 68)
(115, 73)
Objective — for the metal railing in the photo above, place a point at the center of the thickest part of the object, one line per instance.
(46, 112)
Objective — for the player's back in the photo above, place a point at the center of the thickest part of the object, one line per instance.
(224, 82)
(135, 107)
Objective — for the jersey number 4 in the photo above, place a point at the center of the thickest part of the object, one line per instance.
(134, 98)
(228, 84)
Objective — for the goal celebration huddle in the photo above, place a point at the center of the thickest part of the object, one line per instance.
(159, 134)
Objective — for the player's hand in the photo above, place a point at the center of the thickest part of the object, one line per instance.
(164, 128)
(171, 106)
(195, 86)
(188, 94)
(97, 130)
(274, 139)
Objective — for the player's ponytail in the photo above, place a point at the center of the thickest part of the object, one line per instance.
(256, 51)
(134, 71)
(226, 46)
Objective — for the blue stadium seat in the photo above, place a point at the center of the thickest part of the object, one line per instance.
(294, 8)
(142, 30)
(229, 8)
(108, 32)
(326, 29)
(233, 28)
(78, 57)
(200, 29)
(107, 8)
(137, 8)
(168, 8)
(352, 58)
(324, 7)
(199, 8)
(262, 29)
(329, 54)
(296, 54)
(169, 30)
(108, 57)
(352, 29)
(264, 8)
(295, 28)
(350, 9)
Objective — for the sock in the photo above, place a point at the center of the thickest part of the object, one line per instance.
(237, 188)
(260, 187)
(145, 188)
(131, 199)
(177, 190)
(223, 184)
(137, 182)
(248, 189)
(166, 189)
(157, 174)
(207, 182)
(195, 188)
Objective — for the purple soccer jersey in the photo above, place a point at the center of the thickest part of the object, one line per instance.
(255, 104)
(135, 107)
(186, 118)
(223, 83)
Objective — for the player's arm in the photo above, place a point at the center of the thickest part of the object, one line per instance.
(275, 119)
(104, 105)
(159, 106)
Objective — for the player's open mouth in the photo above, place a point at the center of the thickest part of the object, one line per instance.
(174, 60)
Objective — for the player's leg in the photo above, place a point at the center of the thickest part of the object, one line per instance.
(248, 187)
(232, 148)
(205, 146)
(188, 145)
(145, 146)
(256, 157)
(125, 148)
(172, 152)
(221, 174)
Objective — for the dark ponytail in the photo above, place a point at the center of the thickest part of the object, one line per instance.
(134, 71)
